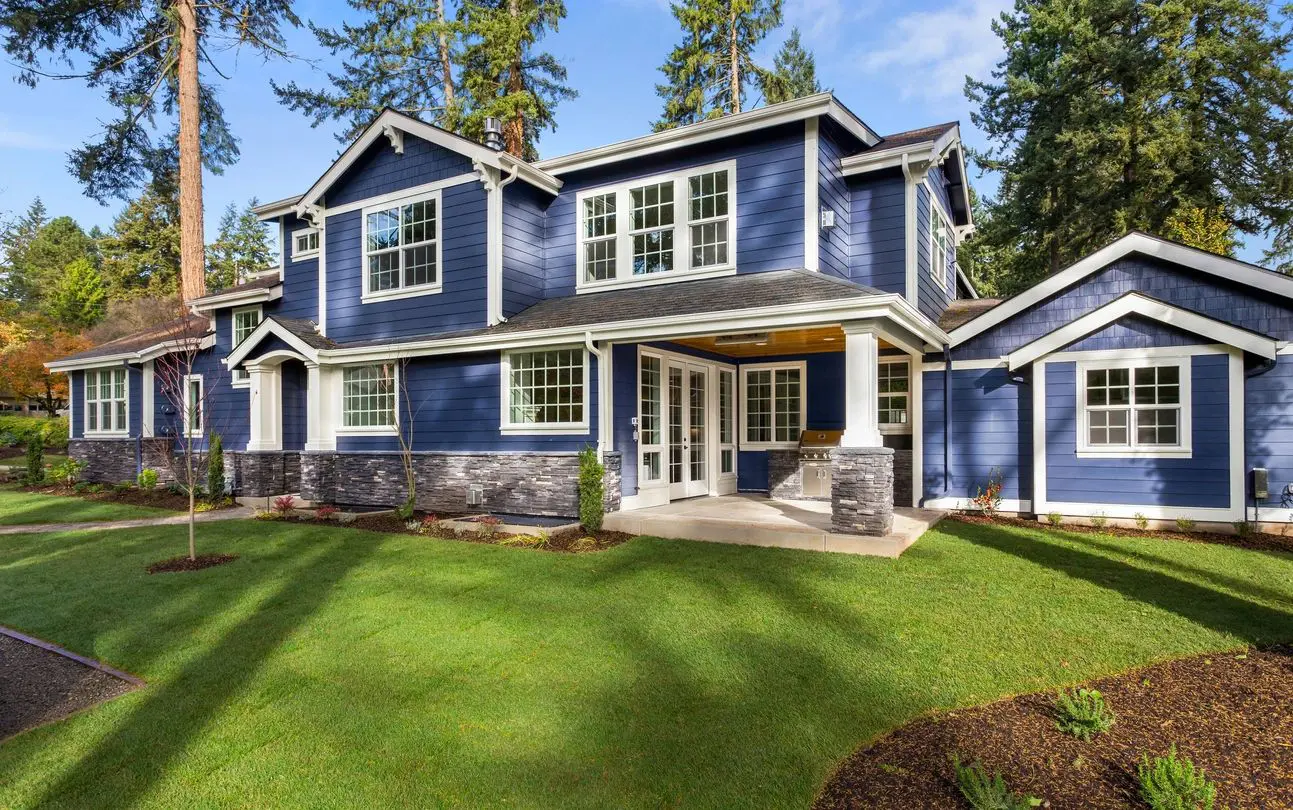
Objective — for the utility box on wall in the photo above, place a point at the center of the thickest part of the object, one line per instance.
(1261, 484)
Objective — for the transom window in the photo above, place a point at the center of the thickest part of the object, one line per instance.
(773, 404)
(305, 243)
(546, 389)
(644, 229)
(402, 248)
(105, 401)
(368, 396)
(1129, 407)
(894, 381)
(245, 322)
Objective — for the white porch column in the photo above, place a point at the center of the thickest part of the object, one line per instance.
(861, 382)
(266, 409)
(320, 408)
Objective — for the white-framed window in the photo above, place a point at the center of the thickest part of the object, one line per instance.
(545, 391)
(194, 416)
(893, 406)
(107, 400)
(368, 398)
(940, 244)
(1134, 408)
(772, 404)
(402, 248)
(650, 408)
(245, 321)
(726, 422)
(654, 229)
(305, 243)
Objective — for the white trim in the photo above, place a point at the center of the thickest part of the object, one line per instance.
(85, 405)
(969, 285)
(1185, 424)
(812, 203)
(906, 428)
(705, 131)
(368, 297)
(911, 201)
(268, 326)
(742, 424)
(147, 410)
(916, 388)
(1123, 511)
(968, 505)
(1146, 355)
(121, 358)
(965, 365)
(1134, 242)
(275, 209)
(308, 253)
(505, 425)
(236, 297)
(340, 428)
(494, 184)
(234, 381)
(1137, 304)
(187, 408)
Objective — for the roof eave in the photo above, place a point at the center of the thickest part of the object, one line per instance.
(235, 298)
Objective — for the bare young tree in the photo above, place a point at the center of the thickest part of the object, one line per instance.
(404, 426)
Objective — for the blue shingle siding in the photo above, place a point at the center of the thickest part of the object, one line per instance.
(833, 193)
(877, 246)
(300, 281)
(294, 394)
(460, 305)
(1209, 295)
(1135, 332)
(1268, 426)
(769, 206)
(990, 427)
(1203, 480)
(524, 229)
(381, 171)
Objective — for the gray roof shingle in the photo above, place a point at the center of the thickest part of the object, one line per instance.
(963, 310)
(187, 327)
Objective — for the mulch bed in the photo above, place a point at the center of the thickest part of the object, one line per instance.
(38, 686)
(568, 541)
(1229, 712)
(1254, 541)
(176, 564)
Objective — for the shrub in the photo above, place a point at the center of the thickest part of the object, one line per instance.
(1172, 783)
(266, 514)
(1054, 518)
(1243, 528)
(489, 525)
(68, 471)
(413, 525)
(1082, 713)
(147, 480)
(1142, 522)
(405, 510)
(204, 506)
(21, 430)
(988, 499)
(985, 792)
(1184, 525)
(430, 525)
(35, 462)
(591, 490)
(325, 512)
(122, 487)
(80, 487)
(1099, 521)
(284, 504)
(215, 467)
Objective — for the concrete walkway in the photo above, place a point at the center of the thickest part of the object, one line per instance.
(237, 513)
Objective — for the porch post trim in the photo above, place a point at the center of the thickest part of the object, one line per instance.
(861, 386)
(266, 412)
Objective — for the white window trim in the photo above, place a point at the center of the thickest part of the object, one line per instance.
(366, 297)
(743, 404)
(85, 405)
(371, 430)
(904, 429)
(662, 446)
(188, 406)
(1185, 429)
(234, 380)
(681, 225)
(298, 255)
(508, 428)
(936, 211)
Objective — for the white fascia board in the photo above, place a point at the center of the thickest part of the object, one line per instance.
(1137, 304)
(237, 298)
(969, 285)
(725, 127)
(276, 209)
(1134, 242)
(890, 158)
(268, 327)
(128, 358)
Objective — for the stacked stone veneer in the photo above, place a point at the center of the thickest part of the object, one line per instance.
(902, 477)
(109, 461)
(531, 483)
(785, 474)
(862, 490)
(265, 474)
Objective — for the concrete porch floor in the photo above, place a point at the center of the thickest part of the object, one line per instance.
(755, 520)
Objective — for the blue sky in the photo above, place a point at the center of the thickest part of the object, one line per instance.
(897, 64)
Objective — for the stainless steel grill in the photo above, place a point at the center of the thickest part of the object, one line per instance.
(815, 460)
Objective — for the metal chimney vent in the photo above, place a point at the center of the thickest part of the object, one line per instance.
(494, 134)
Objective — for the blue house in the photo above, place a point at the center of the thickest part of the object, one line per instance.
(766, 303)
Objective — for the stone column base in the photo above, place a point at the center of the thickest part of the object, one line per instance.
(862, 490)
(260, 475)
(612, 463)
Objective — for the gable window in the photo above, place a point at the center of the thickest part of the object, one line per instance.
(940, 246)
(368, 397)
(305, 243)
(773, 405)
(545, 391)
(106, 398)
(893, 405)
(1134, 408)
(245, 322)
(652, 229)
(193, 416)
(402, 248)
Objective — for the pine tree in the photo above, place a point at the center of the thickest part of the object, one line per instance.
(141, 257)
(241, 248)
(79, 300)
(706, 75)
(14, 241)
(793, 74)
(503, 77)
(57, 244)
(401, 56)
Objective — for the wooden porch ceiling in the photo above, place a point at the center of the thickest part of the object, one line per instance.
(787, 341)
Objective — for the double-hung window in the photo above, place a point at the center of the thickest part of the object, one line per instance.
(655, 228)
(893, 405)
(245, 322)
(368, 397)
(305, 243)
(940, 245)
(402, 248)
(1134, 408)
(105, 401)
(772, 405)
(546, 391)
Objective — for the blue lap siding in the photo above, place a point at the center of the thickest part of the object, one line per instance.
(834, 244)
(382, 171)
(524, 232)
(877, 244)
(989, 430)
(300, 280)
(1269, 433)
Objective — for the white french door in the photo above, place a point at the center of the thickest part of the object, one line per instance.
(687, 428)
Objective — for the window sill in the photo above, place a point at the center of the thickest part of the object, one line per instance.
(653, 279)
(896, 430)
(240, 383)
(1134, 452)
(107, 434)
(300, 257)
(381, 430)
(402, 292)
(544, 430)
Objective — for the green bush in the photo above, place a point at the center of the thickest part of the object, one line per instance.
(405, 510)
(1083, 713)
(985, 792)
(591, 490)
(1099, 521)
(122, 487)
(1142, 522)
(215, 467)
(1184, 525)
(1171, 783)
(1054, 518)
(21, 430)
(1243, 528)
(147, 480)
(35, 462)
(68, 471)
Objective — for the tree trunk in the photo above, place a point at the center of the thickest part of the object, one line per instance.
(735, 66)
(514, 130)
(193, 512)
(446, 64)
(192, 244)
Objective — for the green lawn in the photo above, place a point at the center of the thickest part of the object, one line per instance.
(330, 667)
(20, 508)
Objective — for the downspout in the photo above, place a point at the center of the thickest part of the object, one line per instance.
(603, 384)
(496, 316)
(947, 418)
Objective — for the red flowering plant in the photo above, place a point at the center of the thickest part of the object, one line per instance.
(326, 512)
(988, 499)
(284, 504)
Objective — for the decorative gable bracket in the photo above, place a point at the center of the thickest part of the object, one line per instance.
(395, 136)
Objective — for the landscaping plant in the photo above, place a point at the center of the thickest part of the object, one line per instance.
(1172, 783)
(1142, 522)
(284, 504)
(35, 462)
(147, 480)
(489, 525)
(985, 792)
(1054, 518)
(591, 490)
(1184, 525)
(1099, 521)
(215, 468)
(68, 471)
(1243, 528)
(988, 499)
(325, 512)
(1083, 713)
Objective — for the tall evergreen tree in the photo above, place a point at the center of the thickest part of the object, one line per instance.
(241, 248)
(14, 241)
(57, 244)
(706, 75)
(79, 299)
(401, 56)
(141, 257)
(793, 74)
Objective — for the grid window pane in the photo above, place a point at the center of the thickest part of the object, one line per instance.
(652, 252)
(599, 260)
(546, 388)
(650, 405)
(708, 195)
(709, 244)
(1133, 407)
(599, 216)
(401, 246)
(787, 394)
(1157, 426)
(368, 396)
(105, 400)
(193, 405)
(652, 205)
(758, 406)
(893, 385)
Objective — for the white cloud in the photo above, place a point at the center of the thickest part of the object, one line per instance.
(11, 138)
(929, 53)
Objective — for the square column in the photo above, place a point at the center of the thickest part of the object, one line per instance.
(266, 410)
(861, 387)
(320, 408)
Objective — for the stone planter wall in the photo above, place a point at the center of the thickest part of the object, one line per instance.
(862, 490)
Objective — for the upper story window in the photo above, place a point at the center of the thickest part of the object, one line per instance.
(940, 245)
(773, 405)
(545, 391)
(245, 322)
(305, 243)
(651, 230)
(1137, 408)
(106, 398)
(402, 248)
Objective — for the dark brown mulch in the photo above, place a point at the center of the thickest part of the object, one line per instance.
(1230, 713)
(38, 686)
(566, 540)
(1254, 541)
(176, 564)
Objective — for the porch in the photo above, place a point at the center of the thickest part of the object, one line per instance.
(756, 520)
